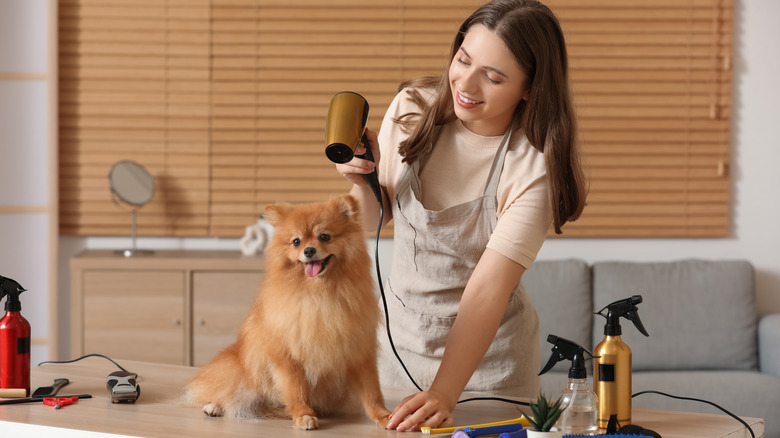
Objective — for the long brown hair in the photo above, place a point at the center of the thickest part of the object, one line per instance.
(533, 34)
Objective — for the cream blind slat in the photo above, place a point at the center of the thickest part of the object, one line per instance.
(225, 102)
(134, 83)
(275, 71)
(652, 86)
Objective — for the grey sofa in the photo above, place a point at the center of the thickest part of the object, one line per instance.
(706, 340)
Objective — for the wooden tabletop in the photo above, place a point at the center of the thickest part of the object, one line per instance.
(158, 414)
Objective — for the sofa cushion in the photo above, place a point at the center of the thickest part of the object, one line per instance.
(769, 344)
(699, 314)
(561, 293)
(743, 393)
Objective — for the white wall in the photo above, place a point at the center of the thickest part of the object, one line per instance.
(26, 206)
(755, 211)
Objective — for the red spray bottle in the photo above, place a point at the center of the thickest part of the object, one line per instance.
(14, 339)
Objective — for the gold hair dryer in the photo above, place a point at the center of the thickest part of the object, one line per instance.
(347, 117)
(345, 131)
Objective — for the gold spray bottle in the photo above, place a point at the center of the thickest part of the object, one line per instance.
(612, 364)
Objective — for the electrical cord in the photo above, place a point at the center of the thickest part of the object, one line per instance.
(382, 294)
(702, 401)
(84, 357)
(387, 321)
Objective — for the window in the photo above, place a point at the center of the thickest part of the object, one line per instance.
(224, 101)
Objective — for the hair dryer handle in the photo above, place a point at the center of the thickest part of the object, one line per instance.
(373, 177)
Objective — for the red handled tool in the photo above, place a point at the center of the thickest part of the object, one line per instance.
(58, 402)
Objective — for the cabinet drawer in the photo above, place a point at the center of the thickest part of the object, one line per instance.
(220, 302)
(136, 315)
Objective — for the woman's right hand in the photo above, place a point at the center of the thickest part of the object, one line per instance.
(357, 167)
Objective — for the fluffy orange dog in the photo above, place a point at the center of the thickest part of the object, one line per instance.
(310, 339)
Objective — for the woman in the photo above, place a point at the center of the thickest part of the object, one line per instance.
(475, 166)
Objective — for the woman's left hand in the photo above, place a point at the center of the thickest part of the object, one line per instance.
(425, 408)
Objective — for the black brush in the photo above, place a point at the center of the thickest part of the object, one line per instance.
(39, 394)
(49, 391)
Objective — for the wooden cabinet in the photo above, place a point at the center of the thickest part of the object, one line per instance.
(174, 307)
(218, 311)
(134, 315)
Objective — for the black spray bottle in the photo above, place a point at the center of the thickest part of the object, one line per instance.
(580, 404)
(612, 363)
(14, 339)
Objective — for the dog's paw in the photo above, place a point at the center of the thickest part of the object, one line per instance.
(382, 418)
(382, 421)
(213, 410)
(305, 422)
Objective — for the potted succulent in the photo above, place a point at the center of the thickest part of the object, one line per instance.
(545, 416)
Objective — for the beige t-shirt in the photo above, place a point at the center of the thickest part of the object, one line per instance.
(457, 172)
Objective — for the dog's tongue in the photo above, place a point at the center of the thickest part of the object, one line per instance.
(313, 268)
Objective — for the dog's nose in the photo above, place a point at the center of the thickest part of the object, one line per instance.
(309, 251)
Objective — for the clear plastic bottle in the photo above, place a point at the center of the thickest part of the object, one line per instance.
(580, 413)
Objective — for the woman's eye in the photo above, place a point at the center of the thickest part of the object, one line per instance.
(492, 81)
(461, 60)
(296, 242)
(324, 237)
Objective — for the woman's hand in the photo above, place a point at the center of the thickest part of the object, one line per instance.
(357, 167)
(482, 305)
(426, 408)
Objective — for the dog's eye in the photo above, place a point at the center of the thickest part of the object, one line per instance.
(324, 237)
(296, 242)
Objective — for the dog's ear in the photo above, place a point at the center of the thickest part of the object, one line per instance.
(275, 213)
(348, 206)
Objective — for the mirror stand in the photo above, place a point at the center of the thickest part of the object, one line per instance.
(131, 183)
(133, 251)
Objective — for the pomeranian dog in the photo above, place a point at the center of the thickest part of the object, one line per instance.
(309, 342)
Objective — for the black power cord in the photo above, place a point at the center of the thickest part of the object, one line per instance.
(382, 294)
(84, 357)
(699, 400)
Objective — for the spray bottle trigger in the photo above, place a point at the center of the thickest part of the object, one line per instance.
(550, 363)
(9, 286)
(11, 289)
(633, 315)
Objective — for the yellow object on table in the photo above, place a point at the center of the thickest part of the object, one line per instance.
(429, 430)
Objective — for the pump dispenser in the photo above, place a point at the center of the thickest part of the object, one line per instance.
(14, 339)
(612, 363)
(580, 404)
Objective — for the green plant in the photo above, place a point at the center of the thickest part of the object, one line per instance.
(545, 414)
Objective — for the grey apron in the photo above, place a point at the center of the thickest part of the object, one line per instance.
(435, 253)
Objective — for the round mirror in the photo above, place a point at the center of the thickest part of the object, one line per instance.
(131, 183)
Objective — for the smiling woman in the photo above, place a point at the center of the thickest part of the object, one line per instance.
(501, 118)
(488, 86)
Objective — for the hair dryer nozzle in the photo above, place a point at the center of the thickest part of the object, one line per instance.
(347, 118)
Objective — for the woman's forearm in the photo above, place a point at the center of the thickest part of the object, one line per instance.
(370, 206)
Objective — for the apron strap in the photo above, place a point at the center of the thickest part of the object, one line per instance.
(491, 185)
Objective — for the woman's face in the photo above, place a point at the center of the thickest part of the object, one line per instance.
(487, 82)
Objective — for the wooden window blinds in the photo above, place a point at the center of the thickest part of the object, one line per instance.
(224, 101)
